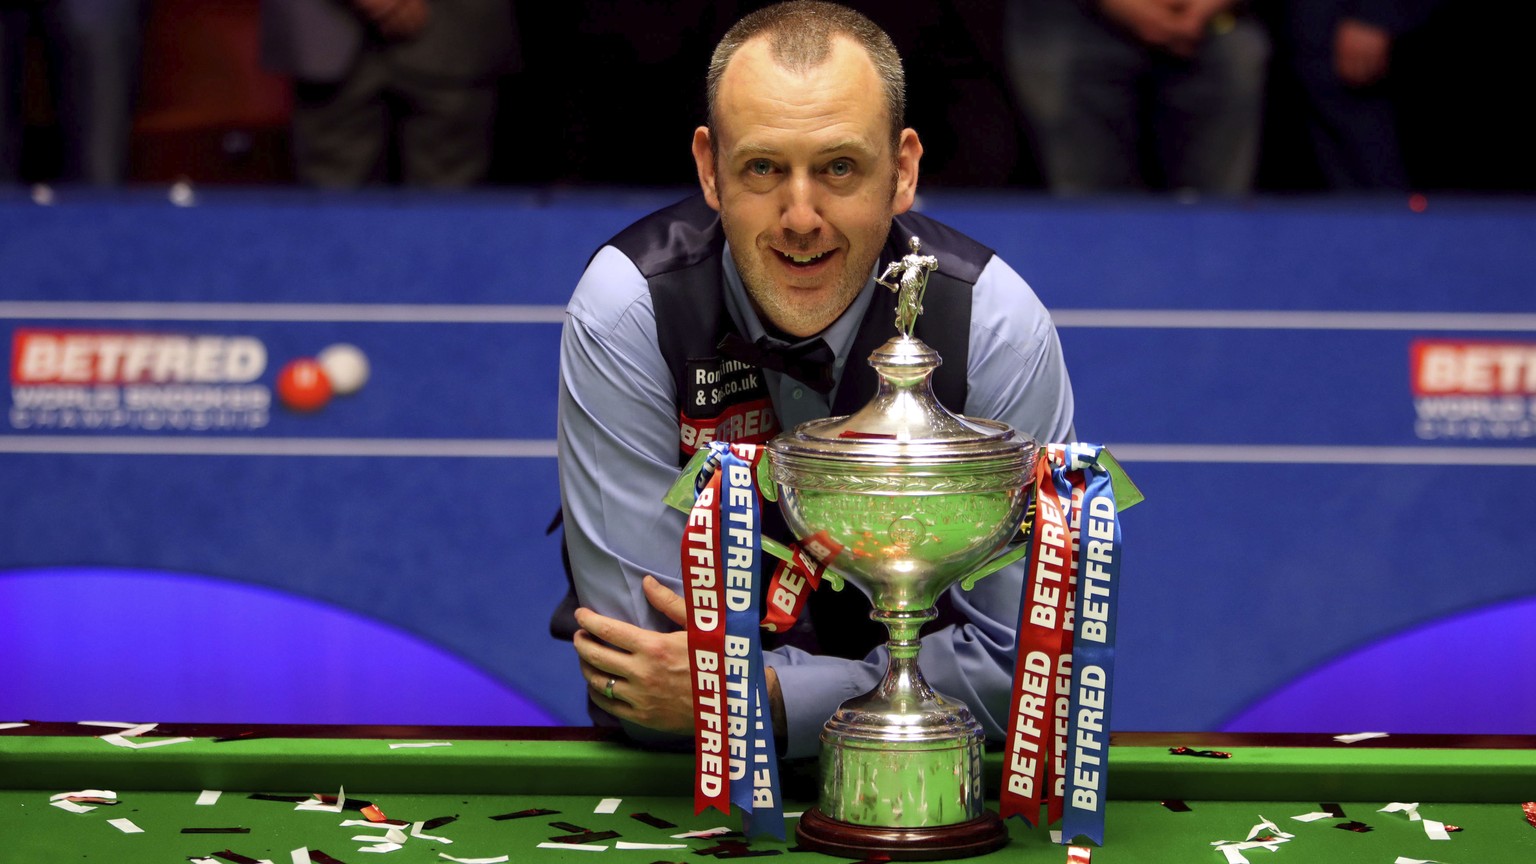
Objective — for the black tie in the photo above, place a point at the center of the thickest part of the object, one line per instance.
(810, 363)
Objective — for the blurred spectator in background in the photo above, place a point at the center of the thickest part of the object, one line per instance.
(607, 71)
(91, 50)
(1129, 95)
(391, 90)
(959, 97)
(1340, 53)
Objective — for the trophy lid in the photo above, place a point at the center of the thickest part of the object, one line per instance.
(905, 424)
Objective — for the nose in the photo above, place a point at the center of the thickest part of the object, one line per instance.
(800, 211)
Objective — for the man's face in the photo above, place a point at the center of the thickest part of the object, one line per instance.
(805, 180)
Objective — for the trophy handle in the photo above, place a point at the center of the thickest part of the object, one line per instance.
(1018, 550)
(781, 552)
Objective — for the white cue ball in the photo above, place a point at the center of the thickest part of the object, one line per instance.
(346, 366)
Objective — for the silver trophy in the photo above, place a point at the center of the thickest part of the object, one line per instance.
(904, 499)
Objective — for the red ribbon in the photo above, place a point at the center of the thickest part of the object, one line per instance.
(704, 596)
(793, 581)
(1072, 510)
(1035, 686)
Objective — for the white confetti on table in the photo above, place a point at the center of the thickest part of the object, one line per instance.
(1355, 737)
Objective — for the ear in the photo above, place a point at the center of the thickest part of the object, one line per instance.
(909, 151)
(704, 161)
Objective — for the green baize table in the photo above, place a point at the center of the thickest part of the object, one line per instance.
(1163, 807)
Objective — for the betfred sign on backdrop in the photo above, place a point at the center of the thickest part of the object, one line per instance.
(78, 357)
(1473, 389)
(96, 379)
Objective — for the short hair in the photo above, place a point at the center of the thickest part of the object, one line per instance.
(800, 38)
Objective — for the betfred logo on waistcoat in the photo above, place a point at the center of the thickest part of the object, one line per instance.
(724, 400)
(1471, 389)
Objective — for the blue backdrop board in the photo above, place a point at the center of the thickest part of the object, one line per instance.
(1330, 406)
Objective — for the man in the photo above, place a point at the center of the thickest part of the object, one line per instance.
(416, 77)
(806, 161)
(1340, 54)
(92, 50)
(1127, 96)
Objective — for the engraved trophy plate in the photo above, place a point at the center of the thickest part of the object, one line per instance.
(915, 498)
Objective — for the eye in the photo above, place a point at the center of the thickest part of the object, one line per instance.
(760, 167)
(840, 168)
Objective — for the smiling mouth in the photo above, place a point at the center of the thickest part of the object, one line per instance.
(803, 260)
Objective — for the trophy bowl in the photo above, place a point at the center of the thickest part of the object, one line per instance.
(903, 499)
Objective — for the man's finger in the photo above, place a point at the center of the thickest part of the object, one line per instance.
(601, 657)
(601, 682)
(665, 600)
(619, 634)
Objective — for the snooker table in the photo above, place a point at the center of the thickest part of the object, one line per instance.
(1163, 807)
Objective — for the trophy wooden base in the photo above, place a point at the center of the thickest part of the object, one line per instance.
(821, 833)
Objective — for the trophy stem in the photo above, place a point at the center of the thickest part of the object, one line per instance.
(903, 627)
(903, 687)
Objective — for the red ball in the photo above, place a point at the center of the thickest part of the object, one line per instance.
(302, 385)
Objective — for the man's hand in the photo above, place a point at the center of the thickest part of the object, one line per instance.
(649, 670)
(396, 19)
(1361, 52)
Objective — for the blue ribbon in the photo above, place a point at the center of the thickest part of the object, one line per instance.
(753, 767)
(1093, 647)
